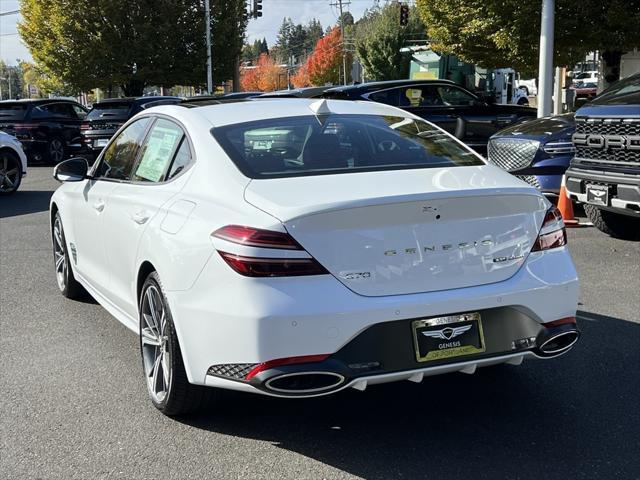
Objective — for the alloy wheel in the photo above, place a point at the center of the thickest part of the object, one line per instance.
(9, 173)
(60, 254)
(156, 345)
(56, 150)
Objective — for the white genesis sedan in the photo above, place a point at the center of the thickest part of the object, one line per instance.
(297, 248)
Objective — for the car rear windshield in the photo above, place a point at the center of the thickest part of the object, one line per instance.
(12, 111)
(310, 145)
(109, 111)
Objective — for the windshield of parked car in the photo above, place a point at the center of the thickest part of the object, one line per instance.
(624, 92)
(315, 145)
(12, 111)
(109, 111)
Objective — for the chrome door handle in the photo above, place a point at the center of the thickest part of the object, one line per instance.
(98, 206)
(140, 217)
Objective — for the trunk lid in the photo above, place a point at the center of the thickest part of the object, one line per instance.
(411, 231)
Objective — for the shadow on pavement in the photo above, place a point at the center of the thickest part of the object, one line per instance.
(574, 417)
(24, 202)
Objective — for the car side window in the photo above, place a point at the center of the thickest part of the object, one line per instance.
(42, 111)
(389, 97)
(456, 96)
(158, 151)
(420, 96)
(66, 110)
(181, 160)
(119, 158)
(79, 111)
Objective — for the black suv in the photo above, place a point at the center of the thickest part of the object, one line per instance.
(605, 171)
(106, 117)
(451, 107)
(49, 129)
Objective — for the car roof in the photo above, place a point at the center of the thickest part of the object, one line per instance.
(228, 113)
(387, 84)
(304, 92)
(39, 101)
(138, 100)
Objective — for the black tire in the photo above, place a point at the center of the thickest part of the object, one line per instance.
(617, 225)
(179, 397)
(55, 151)
(67, 284)
(10, 172)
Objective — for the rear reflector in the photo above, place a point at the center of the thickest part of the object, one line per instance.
(272, 267)
(279, 362)
(255, 237)
(562, 321)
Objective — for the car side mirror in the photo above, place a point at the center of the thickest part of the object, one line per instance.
(72, 170)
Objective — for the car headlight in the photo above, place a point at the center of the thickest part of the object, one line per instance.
(559, 148)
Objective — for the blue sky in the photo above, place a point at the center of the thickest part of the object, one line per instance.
(300, 11)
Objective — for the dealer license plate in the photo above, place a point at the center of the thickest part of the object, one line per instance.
(446, 337)
(598, 195)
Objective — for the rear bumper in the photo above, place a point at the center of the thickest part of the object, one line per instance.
(225, 319)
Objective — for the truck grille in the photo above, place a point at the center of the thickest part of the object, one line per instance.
(512, 154)
(607, 126)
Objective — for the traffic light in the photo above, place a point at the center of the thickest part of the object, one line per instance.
(404, 14)
(257, 8)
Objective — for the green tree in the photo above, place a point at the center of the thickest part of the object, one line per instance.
(10, 80)
(314, 33)
(103, 43)
(379, 38)
(499, 33)
(251, 52)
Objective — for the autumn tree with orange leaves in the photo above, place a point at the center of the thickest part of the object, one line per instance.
(324, 64)
(266, 76)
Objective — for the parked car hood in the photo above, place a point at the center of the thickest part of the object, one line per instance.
(559, 126)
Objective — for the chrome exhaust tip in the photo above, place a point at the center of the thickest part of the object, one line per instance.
(557, 341)
(304, 382)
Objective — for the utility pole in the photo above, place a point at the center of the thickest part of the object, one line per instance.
(207, 21)
(340, 4)
(545, 66)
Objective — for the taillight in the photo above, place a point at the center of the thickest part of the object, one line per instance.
(552, 234)
(265, 266)
(26, 126)
(279, 362)
(85, 126)
(255, 237)
(23, 131)
(272, 267)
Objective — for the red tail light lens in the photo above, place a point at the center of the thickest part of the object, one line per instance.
(272, 267)
(85, 126)
(284, 361)
(255, 237)
(552, 234)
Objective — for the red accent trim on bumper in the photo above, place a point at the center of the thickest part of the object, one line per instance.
(278, 362)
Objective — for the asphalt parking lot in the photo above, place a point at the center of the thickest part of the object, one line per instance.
(74, 404)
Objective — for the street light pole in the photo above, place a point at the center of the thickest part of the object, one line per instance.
(545, 66)
(207, 14)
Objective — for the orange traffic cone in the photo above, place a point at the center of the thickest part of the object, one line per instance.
(565, 205)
